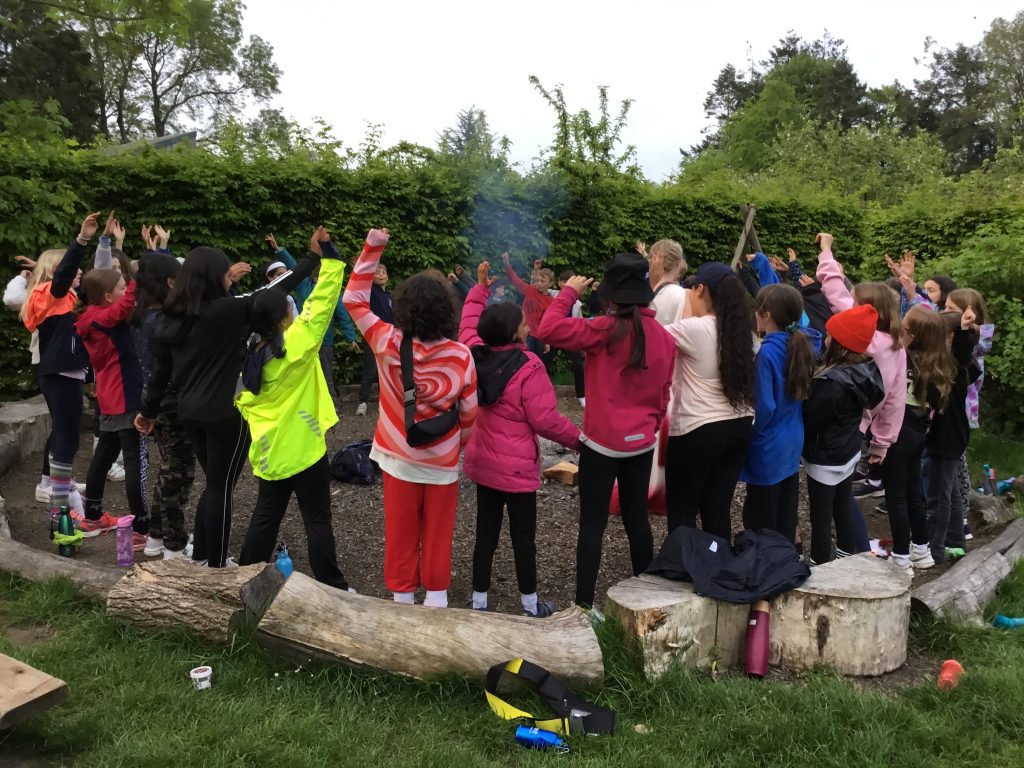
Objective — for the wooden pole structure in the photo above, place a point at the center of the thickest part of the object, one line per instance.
(748, 236)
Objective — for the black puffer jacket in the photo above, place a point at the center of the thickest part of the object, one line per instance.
(832, 412)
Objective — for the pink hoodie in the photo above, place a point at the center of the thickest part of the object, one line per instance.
(503, 452)
(625, 406)
(886, 419)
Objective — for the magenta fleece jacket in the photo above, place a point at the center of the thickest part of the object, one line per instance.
(625, 406)
(503, 452)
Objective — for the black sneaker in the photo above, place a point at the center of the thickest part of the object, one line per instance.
(968, 534)
(868, 489)
(881, 509)
(543, 611)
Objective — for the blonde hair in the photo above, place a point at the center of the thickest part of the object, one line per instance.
(968, 297)
(46, 265)
(887, 304)
(671, 255)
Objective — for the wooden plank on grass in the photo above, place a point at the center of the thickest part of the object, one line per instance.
(26, 692)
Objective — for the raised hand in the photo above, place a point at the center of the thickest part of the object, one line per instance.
(315, 238)
(117, 230)
(751, 256)
(967, 319)
(108, 227)
(538, 263)
(272, 242)
(505, 259)
(908, 263)
(791, 253)
(482, 271)
(641, 248)
(163, 236)
(238, 270)
(90, 224)
(824, 241)
(25, 261)
(377, 237)
(905, 280)
(147, 237)
(778, 264)
(579, 283)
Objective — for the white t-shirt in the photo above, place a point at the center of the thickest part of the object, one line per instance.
(668, 304)
(697, 397)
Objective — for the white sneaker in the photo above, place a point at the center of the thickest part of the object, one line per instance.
(116, 473)
(902, 561)
(921, 556)
(583, 402)
(361, 409)
(75, 501)
(43, 492)
(154, 547)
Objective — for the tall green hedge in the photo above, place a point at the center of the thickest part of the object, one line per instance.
(440, 214)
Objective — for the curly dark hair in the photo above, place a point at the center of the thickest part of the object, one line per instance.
(731, 305)
(426, 308)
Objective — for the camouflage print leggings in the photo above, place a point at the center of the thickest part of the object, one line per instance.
(175, 472)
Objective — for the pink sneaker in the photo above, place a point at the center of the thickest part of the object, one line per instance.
(90, 528)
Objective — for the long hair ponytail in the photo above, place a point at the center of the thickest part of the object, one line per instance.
(785, 305)
(628, 318)
(735, 317)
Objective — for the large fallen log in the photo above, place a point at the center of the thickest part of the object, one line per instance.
(36, 565)
(26, 691)
(671, 624)
(966, 588)
(308, 620)
(852, 614)
(166, 594)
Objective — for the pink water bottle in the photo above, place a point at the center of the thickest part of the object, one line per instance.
(757, 639)
(125, 551)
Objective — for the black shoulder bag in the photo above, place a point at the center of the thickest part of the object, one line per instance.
(420, 433)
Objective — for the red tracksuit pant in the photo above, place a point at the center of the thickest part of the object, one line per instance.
(419, 520)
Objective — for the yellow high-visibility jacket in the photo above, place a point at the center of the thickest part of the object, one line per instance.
(290, 416)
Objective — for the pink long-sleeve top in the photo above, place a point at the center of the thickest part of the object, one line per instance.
(885, 419)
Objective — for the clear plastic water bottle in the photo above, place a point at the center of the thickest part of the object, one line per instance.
(284, 561)
(125, 552)
(104, 259)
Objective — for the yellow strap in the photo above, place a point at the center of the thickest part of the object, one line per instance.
(506, 711)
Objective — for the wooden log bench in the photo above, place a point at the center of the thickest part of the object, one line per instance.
(307, 620)
(26, 692)
(852, 615)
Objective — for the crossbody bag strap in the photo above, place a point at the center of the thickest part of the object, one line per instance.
(408, 382)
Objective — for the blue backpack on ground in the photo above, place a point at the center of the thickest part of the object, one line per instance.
(352, 464)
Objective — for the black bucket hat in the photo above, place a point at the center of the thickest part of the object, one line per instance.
(625, 280)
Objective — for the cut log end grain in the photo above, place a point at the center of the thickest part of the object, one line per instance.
(563, 472)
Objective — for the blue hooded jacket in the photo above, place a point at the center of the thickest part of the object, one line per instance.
(774, 452)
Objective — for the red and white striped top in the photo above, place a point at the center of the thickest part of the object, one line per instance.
(444, 375)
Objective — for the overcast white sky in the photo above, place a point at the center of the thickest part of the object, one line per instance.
(413, 65)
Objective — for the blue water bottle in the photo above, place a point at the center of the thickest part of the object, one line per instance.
(535, 738)
(284, 561)
(1005, 622)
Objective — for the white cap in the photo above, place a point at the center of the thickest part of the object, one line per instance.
(275, 265)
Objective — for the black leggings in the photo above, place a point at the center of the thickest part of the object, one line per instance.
(135, 448)
(773, 506)
(901, 474)
(522, 529)
(312, 489)
(64, 400)
(598, 474)
(701, 471)
(220, 447)
(368, 376)
(830, 503)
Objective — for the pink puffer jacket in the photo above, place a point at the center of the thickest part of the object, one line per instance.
(503, 452)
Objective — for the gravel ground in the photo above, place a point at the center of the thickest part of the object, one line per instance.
(359, 526)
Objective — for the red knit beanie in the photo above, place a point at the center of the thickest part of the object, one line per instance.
(854, 328)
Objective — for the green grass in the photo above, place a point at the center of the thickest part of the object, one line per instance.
(132, 704)
(1004, 454)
